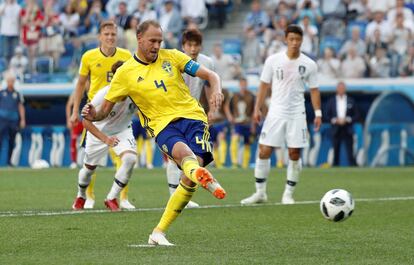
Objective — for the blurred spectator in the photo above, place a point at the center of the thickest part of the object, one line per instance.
(19, 63)
(380, 5)
(310, 37)
(380, 64)
(309, 9)
(193, 10)
(283, 9)
(131, 35)
(31, 23)
(171, 24)
(333, 8)
(358, 10)
(70, 21)
(355, 42)
(373, 43)
(144, 12)
(94, 17)
(400, 8)
(407, 67)
(342, 113)
(353, 66)
(277, 27)
(256, 18)
(251, 57)
(12, 113)
(51, 41)
(225, 65)
(218, 8)
(381, 24)
(276, 45)
(400, 41)
(122, 18)
(329, 66)
(112, 10)
(9, 31)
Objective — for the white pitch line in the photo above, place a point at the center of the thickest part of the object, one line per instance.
(5, 214)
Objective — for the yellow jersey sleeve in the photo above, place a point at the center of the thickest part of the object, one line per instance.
(84, 65)
(119, 87)
(180, 59)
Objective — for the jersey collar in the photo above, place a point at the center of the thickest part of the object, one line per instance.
(142, 62)
(107, 55)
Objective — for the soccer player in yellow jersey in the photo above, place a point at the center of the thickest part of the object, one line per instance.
(96, 67)
(153, 80)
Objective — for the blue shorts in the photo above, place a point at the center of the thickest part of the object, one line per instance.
(138, 130)
(243, 130)
(193, 133)
(217, 128)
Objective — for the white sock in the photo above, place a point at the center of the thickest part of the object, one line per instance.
(122, 175)
(173, 176)
(84, 178)
(261, 173)
(293, 170)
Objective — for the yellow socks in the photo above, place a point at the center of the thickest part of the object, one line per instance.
(246, 156)
(175, 205)
(234, 150)
(189, 165)
(222, 151)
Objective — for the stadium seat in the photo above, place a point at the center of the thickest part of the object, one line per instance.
(36, 78)
(43, 64)
(90, 45)
(330, 41)
(60, 78)
(232, 46)
(64, 63)
(3, 64)
(69, 49)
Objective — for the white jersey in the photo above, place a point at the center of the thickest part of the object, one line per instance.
(289, 79)
(119, 118)
(196, 84)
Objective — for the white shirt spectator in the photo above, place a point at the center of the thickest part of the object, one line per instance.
(10, 15)
(381, 24)
(380, 5)
(310, 33)
(355, 42)
(341, 106)
(193, 8)
(112, 7)
(329, 66)
(353, 66)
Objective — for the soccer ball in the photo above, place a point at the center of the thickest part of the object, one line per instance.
(337, 205)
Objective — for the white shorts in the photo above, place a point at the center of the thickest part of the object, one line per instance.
(278, 131)
(96, 152)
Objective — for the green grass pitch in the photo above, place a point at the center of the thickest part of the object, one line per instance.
(38, 227)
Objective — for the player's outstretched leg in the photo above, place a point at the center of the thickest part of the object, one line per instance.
(122, 176)
(84, 178)
(261, 172)
(173, 179)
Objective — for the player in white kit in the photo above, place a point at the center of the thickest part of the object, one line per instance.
(115, 131)
(286, 73)
(191, 44)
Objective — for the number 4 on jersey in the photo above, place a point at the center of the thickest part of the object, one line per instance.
(161, 84)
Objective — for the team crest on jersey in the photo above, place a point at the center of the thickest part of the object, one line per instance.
(140, 79)
(166, 65)
(302, 69)
(165, 148)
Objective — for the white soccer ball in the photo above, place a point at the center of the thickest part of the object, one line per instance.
(337, 205)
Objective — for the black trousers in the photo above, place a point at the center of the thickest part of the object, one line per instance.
(9, 128)
(343, 134)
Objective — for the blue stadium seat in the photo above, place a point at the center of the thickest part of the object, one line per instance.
(43, 64)
(330, 41)
(36, 78)
(361, 24)
(232, 46)
(64, 63)
(60, 78)
(90, 45)
(69, 49)
(3, 64)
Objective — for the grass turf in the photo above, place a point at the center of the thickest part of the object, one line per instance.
(379, 232)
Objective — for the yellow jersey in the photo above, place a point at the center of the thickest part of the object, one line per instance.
(158, 89)
(98, 66)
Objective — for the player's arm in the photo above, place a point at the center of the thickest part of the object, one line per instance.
(109, 140)
(91, 113)
(68, 111)
(216, 95)
(260, 99)
(77, 97)
(316, 104)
